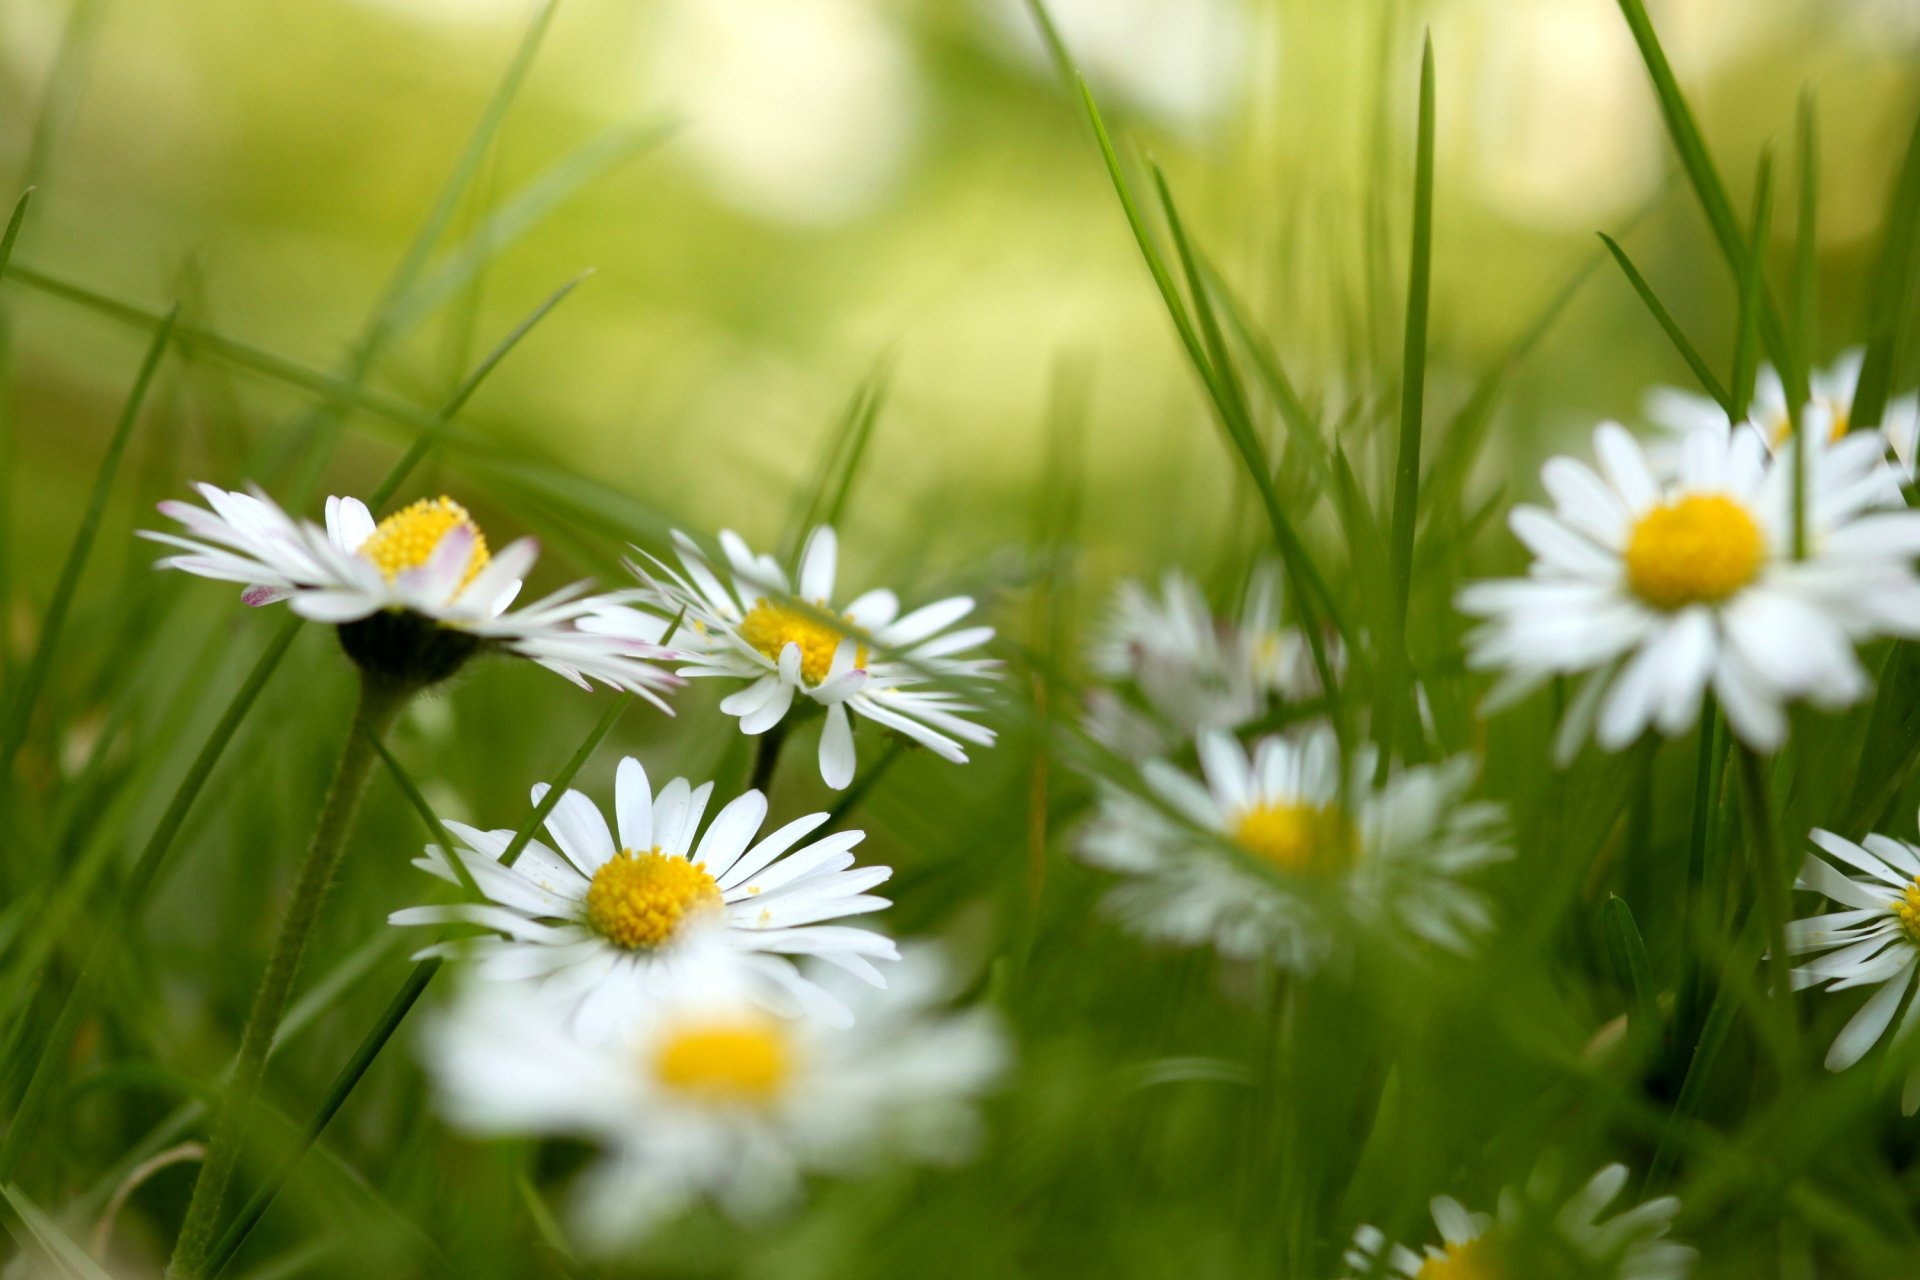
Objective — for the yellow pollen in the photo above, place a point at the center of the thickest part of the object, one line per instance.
(1473, 1260)
(1298, 837)
(740, 1061)
(639, 900)
(1907, 907)
(407, 538)
(770, 628)
(1699, 549)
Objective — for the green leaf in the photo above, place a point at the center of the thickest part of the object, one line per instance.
(1753, 293)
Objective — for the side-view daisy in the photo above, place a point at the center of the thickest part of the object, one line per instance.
(703, 1095)
(1658, 589)
(1829, 410)
(1265, 858)
(604, 925)
(1174, 668)
(790, 640)
(1533, 1236)
(1873, 941)
(414, 595)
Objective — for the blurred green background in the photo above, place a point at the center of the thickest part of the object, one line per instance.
(847, 181)
(779, 198)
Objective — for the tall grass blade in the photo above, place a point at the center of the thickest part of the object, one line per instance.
(1707, 186)
(1395, 657)
(1753, 290)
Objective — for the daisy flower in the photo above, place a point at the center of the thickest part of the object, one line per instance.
(414, 595)
(1531, 1236)
(1388, 857)
(791, 641)
(1660, 589)
(603, 925)
(1176, 669)
(1830, 406)
(704, 1096)
(1873, 941)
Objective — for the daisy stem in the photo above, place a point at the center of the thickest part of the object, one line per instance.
(1770, 879)
(766, 757)
(379, 703)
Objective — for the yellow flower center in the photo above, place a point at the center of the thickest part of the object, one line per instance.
(770, 628)
(1699, 549)
(1473, 1260)
(742, 1061)
(1907, 907)
(1298, 837)
(407, 538)
(640, 900)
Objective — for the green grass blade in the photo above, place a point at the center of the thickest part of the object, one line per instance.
(42, 1234)
(427, 439)
(1671, 327)
(1628, 952)
(7, 240)
(395, 1012)
(824, 499)
(27, 690)
(135, 892)
(435, 828)
(519, 214)
(1890, 300)
(1708, 188)
(1395, 658)
(1806, 243)
(1753, 290)
(1310, 588)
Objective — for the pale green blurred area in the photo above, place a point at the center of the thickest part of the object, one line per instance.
(848, 181)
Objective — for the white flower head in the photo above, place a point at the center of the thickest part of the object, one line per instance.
(789, 640)
(1533, 1236)
(1178, 669)
(603, 925)
(1389, 858)
(1658, 589)
(414, 594)
(1829, 409)
(1872, 941)
(702, 1095)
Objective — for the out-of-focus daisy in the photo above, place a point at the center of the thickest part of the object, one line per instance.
(1533, 1236)
(1873, 941)
(604, 924)
(703, 1095)
(1830, 408)
(1177, 669)
(414, 595)
(793, 642)
(1661, 588)
(1389, 857)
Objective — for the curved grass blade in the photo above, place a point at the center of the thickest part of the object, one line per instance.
(1628, 952)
